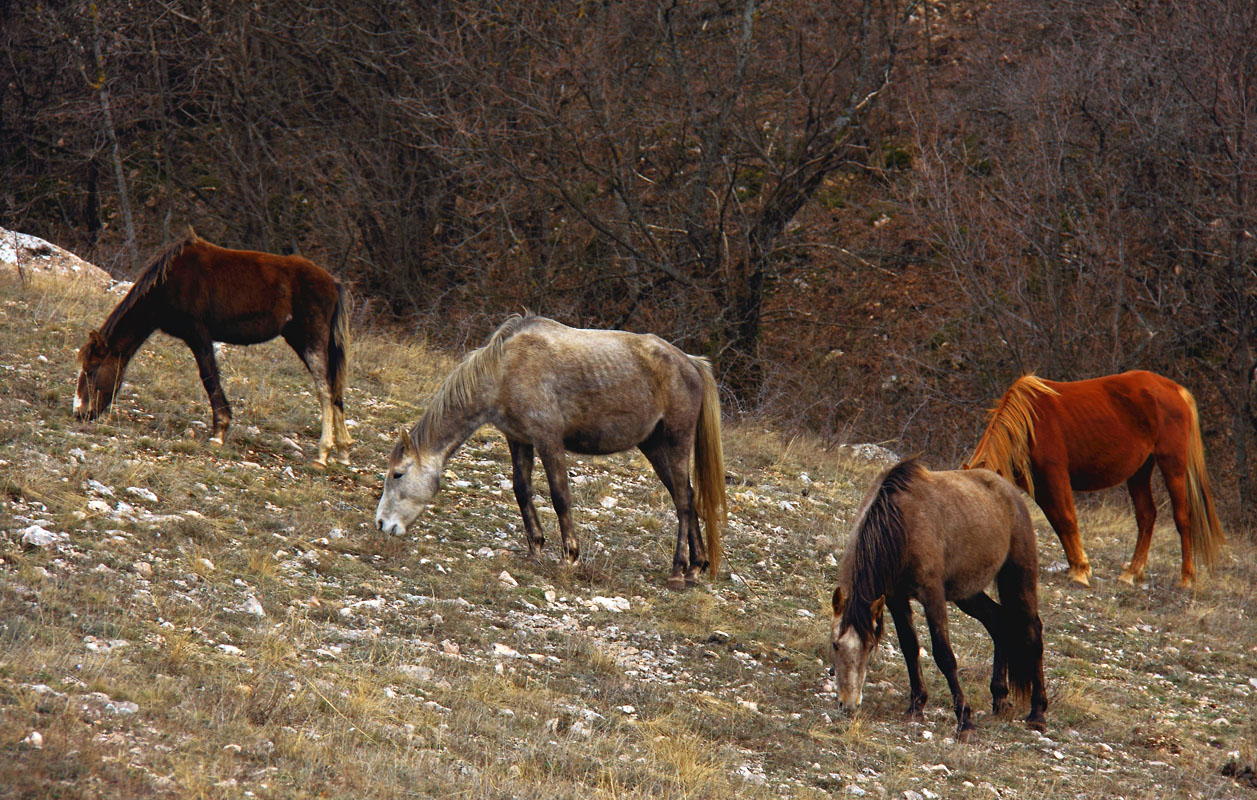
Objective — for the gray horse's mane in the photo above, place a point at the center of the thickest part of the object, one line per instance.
(462, 386)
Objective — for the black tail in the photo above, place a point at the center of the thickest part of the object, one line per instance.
(1023, 631)
(338, 348)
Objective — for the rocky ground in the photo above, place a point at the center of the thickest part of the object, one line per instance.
(178, 620)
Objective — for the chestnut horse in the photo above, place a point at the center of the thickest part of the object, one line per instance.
(202, 294)
(937, 537)
(1052, 439)
(550, 389)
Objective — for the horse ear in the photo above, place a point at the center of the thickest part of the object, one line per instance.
(965, 465)
(839, 600)
(877, 607)
(408, 442)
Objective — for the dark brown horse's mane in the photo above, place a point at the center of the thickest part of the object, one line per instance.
(879, 548)
(152, 275)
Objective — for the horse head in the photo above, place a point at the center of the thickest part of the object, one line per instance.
(411, 481)
(851, 649)
(100, 375)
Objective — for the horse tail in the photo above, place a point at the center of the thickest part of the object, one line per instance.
(709, 466)
(1206, 532)
(1018, 584)
(338, 347)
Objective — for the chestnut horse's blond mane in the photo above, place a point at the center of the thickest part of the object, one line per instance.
(1005, 446)
(462, 386)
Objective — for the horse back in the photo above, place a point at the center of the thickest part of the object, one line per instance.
(1104, 429)
(604, 391)
(244, 296)
(964, 525)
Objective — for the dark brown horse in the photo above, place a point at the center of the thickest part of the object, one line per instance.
(937, 537)
(204, 294)
(550, 389)
(1053, 439)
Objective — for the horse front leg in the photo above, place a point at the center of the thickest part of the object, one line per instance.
(207, 366)
(1055, 496)
(940, 642)
(555, 464)
(901, 613)
(521, 481)
(985, 610)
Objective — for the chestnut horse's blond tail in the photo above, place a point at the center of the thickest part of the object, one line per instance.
(709, 466)
(1206, 532)
(338, 344)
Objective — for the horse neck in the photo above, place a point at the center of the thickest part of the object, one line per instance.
(130, 330)
(458, 421)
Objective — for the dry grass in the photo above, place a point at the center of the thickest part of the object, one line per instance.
(399, 667)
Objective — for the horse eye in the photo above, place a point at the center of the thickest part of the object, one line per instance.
(397, 476)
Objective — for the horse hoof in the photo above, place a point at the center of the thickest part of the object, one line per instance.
(676, 583)
(216, 441)
(691, 581)
(1036, 724)
(999, 707)
(1128, 578)
(319, 465)
(967, 736)
(1082, 579)
(914, 715)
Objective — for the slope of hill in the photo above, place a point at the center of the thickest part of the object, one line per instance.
(177, 620)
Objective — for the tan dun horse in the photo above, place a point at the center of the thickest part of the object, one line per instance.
(937, 537)
(202, 294)
(1053, 439)
(550, 389)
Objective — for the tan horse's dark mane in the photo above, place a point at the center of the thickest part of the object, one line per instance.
(462, 386)
(877, 554)
(152, 275)
(1005, 446)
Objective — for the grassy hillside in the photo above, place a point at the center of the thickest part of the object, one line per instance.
(227, 623)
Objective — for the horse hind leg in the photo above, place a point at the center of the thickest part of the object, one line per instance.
(1140, 487)
(560, 497)
(316, 363)
(1174, 470)
(671, 464)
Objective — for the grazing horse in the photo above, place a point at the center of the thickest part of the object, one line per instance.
(1052, 439)
(549, 389)
(203, 294)
(935, 537)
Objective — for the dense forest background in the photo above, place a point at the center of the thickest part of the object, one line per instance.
(872, 214)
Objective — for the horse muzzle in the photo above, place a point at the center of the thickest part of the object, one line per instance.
(390, 526)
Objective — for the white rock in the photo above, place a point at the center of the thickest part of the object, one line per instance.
(613, 604)
(505, 651)
(39, 536)
(99, 488)
(449, 647)
(607, 501)
(630, 710)
(749, 705)
(98, 507)
(581, 729)
(34, 739)
(78, 455)
(803, 612)
(505, 579)
(205, 562)
(855, 791)
(122, 708)
(232, 748)
(142, 493)
(911, 795)
(230, 649)
(419, 672)
(336, 533)
(254, 606)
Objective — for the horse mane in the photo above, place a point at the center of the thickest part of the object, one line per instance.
(1005, 445)
(877, 552)
(460, 387)
(154, 274)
